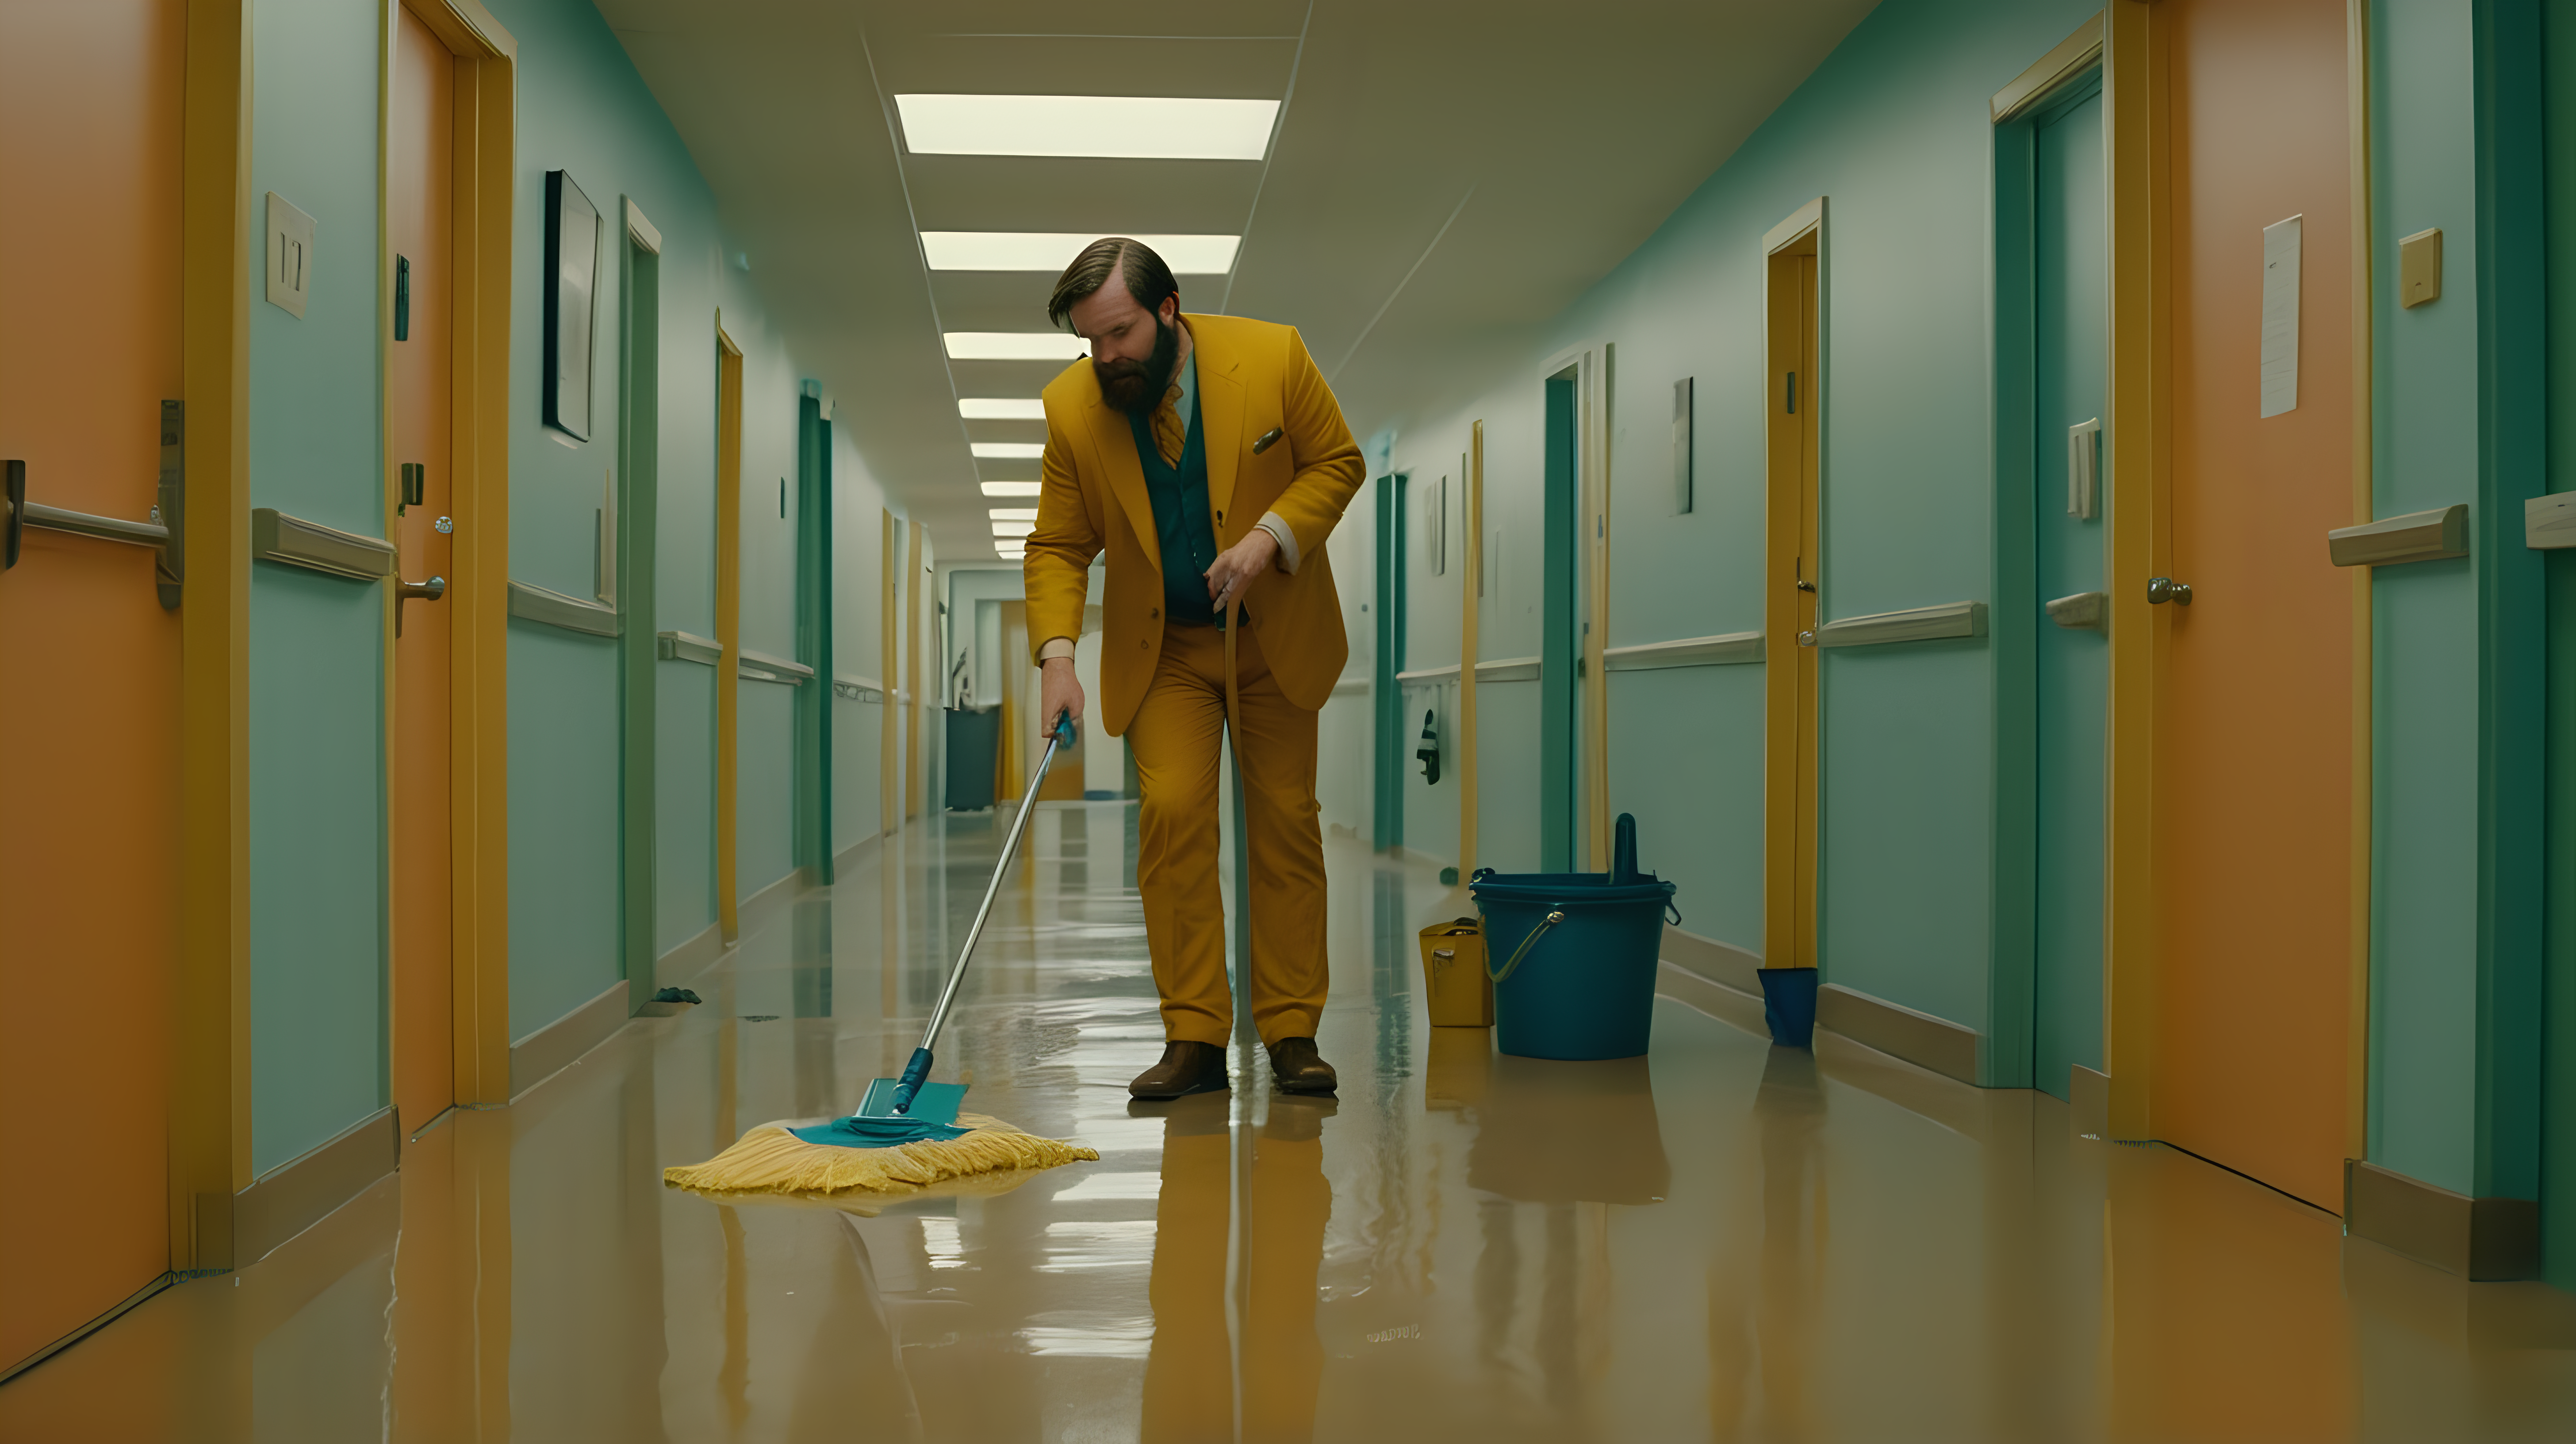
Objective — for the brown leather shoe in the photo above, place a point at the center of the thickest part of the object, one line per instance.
(1186, 1068)
(1298, 1068)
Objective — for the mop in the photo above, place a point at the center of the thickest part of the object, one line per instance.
(908, 1133)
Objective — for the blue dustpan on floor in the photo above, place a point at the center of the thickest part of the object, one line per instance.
(911, 1109)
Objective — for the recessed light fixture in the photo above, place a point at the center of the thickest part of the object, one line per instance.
(1009, 450)
(1129, 127)
(1015, 346)
(1052, 251)
(1014, 528)
(1012, 488)
(1012, 513)
(1001, 408)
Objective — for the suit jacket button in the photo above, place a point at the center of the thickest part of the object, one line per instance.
(1155, 612)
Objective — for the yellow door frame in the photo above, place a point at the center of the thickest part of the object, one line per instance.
(1793, 338)
(482, 141)
(210, 1156)
(728, 623)
(485, 151)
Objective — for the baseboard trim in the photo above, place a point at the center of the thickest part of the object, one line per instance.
(1899, 1031)
(556, 1046)
(1724, 964)
(2088, 1098)
(690, 958)
(2482, 1240)
(1731, 1006)
(850, 854)
(303, 1191)
(758, 906)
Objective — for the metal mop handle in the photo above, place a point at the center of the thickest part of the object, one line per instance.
(918, 1069)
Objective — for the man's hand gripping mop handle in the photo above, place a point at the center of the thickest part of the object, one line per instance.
(917, 1071)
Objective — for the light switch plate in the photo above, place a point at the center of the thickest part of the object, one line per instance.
(2419, 268)
(290, 255)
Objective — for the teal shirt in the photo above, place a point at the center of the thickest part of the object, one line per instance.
(1183, 524)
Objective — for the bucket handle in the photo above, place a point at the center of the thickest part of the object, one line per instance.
(1555, 915)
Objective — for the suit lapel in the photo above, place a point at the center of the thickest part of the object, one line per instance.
(1220, 418)
(1113, 443)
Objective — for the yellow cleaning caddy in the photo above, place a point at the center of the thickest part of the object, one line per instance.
(1453, 975)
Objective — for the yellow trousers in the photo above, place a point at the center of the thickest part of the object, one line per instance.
(1175, 738)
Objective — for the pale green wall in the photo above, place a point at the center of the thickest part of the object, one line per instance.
(2424, 825)
(583, 108)
(858, 525)
(2456, 729)
(1893, 127)
(317, 869)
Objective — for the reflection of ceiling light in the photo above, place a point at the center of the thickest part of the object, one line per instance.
(1009, 450)
(1015, 346)
(1052, 251)
(1001, 408)
(1012, 513)
(1014, 528)
(1135, 127)
(1012, 488)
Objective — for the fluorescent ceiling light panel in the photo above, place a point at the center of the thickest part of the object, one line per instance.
(1012, 488)
(1126, 127)
(1012, 513)
(1015, 346)
(1009, 450)
(1014, 528)
(1001, 408)
(1052, 251)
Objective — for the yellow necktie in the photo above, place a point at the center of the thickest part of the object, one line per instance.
(1169, 435)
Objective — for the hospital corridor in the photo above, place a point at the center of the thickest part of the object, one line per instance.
(977, 721)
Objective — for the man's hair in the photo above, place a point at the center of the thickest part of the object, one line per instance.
(1148, 279)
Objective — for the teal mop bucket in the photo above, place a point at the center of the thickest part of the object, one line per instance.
(1577, 953)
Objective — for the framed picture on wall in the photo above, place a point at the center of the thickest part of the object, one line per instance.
(572, 273)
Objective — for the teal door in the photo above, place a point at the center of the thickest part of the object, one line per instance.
(1390, 752)
(1558, 641)
(2071, 313)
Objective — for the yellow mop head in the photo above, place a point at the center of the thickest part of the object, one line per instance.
(769, 1159)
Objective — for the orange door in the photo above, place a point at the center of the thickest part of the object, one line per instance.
(2253, 760)
(89, 659)
(419, 227)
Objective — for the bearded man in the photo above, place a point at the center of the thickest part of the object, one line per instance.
(1208, 459)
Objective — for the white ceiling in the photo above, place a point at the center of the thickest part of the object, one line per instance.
(1444, 179)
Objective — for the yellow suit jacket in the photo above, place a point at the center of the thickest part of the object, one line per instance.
(1253, 376)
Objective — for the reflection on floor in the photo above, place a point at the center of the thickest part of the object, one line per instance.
(1722, 1241)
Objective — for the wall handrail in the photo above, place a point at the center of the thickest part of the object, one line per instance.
(572, 614)
(858, 689)
(762, 667)
(688, 647)
(1493, 669)
(293, 541)
(2418, 536)
(1725, 649)
(1914, 624)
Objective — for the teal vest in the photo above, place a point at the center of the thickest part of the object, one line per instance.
(1182, 523)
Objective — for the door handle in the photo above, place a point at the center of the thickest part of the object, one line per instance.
(2165, 589)
(428, 591)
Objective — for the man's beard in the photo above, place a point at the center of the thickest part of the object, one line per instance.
(1137, 387)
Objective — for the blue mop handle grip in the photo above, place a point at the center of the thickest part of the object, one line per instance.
(915, 1073)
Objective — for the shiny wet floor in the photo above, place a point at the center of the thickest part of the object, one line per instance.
(1721, 1241)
